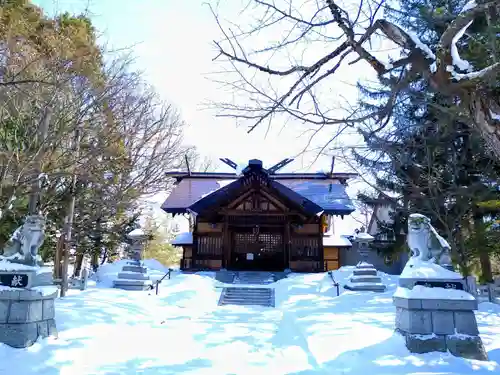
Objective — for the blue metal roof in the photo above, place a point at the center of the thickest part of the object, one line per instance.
(227, 193)
(332, 197)
(329, 195)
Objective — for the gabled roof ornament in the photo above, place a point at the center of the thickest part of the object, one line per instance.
(279, 165)
(229, 162)
(254, 165)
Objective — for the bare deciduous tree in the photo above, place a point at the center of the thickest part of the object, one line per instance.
(347, 32)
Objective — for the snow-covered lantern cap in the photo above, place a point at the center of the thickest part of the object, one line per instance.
(363, 237)
(137, 235)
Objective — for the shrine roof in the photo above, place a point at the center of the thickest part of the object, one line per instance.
(327, 194)
(320, 191)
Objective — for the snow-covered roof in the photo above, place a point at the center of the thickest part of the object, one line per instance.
(184, 238)
(336, 241)
(362, 236)
(137, 232)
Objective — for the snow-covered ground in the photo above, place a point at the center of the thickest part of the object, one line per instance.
(183, 331)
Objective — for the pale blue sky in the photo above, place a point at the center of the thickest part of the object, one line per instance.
(172, 43)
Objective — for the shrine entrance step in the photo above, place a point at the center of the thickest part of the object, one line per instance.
(247, 297)
(254, 278)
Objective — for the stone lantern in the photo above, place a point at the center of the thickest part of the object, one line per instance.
(363, 241)
(138, 238)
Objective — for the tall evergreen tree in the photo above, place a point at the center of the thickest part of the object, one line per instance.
(429, 161)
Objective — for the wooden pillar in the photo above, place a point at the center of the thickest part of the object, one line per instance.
(194, 250)
(320, 245)
(287, 241)
(226, 240)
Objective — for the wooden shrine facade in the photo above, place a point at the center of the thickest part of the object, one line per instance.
(255, 223)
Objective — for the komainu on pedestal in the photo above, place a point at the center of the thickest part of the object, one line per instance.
(433, 310)
(27, 293)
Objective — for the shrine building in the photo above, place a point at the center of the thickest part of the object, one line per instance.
(260, 219)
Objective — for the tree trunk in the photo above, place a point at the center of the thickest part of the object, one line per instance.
(104, 256)
(460, 250)
(484, 255)
(95, 261)
(78, 265)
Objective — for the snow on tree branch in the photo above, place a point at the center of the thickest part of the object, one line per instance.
(350, 35)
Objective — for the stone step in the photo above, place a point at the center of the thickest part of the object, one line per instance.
(245, 292)
(245, 301)
(138, 269)
(366, 287)
(365, 272)
(247, 297)
(133, 287)
(132, 284)
(133, 276)
(366, 279)
(255, 278)
(365, 266)
(225, 277)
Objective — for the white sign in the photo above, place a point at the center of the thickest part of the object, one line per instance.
(249, 256)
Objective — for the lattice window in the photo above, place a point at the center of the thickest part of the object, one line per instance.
(270, 242)
(305, 248)
(210, 245)
(244, 242)
(262, 242)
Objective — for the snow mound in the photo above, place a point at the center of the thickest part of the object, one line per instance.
(311, 331)
(420, 291)
(415, 269)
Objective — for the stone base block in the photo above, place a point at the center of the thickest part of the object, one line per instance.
(366, 279)
(425, 344)
(26, 315)
(133, 284)
(439, 325)
(23, 335)
(365, 272)
(464, 346)
(366, 287)
(133, 276)
(134, 269)
(470, 347)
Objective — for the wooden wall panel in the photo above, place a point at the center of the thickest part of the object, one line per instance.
(211, 264)
(331, 253)
(331, 257)
(306, 229)
(209, 245)
(332, 265)
(207, 228)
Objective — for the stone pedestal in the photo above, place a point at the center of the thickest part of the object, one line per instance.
(438, 319)
(134, 276)
(26, 315)
(365, 278)
(27, 296)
